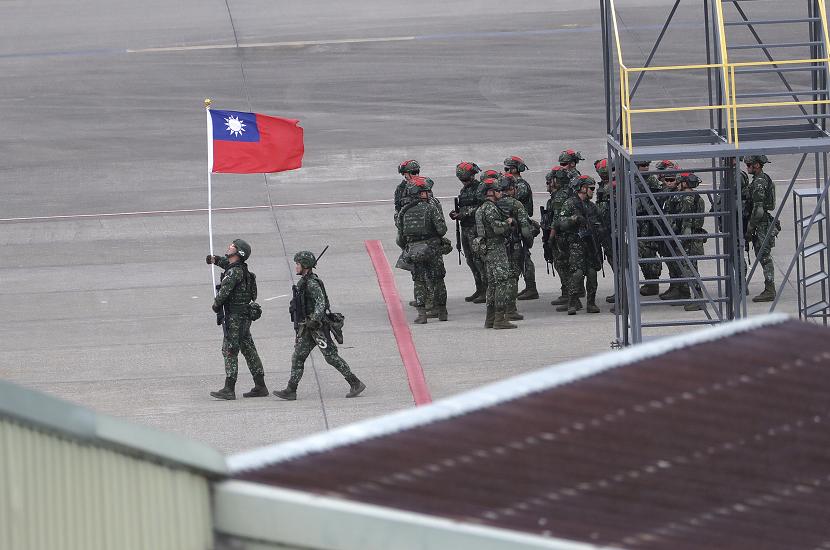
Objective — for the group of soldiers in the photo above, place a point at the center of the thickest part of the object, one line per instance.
(495, 231)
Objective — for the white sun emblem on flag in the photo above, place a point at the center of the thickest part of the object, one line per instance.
(235, 126)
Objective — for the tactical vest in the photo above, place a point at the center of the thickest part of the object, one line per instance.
(469, 197)
(302, 285)
(527, 201)
(243, 292)
(769, 194)
(489, 232)
(417, 222)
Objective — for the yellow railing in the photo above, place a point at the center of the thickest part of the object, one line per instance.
(730, 106)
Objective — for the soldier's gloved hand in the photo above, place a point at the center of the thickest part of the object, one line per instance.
(580, 220)
(211, 259)
(313, 324)
(215, 307)
(453, 215)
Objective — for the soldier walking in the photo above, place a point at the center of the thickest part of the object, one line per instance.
(492, 226)
(578, 222)
(759, 201)
(313, 329)
(524, 194)
(232, 304)
(420, 228)
(469, 199)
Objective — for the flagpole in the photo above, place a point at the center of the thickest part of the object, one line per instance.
(210, 194)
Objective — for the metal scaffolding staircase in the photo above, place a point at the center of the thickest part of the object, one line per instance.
(810, 209)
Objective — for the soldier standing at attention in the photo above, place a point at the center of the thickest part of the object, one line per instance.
(407, 169)
(492, 226)
(469, 199)
(759, 201)
(524, 194)
(236, 292)
(578, 222)
(690, 203)
(420, 228)
(604, 190)
(668, 248)
(568, 159)
(521, 232)
(559, 247)
(648, 228)
(312, 331)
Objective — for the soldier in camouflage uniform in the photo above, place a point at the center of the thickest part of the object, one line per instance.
(492, 226)
(690, 203)
(407, 169)
(420, 230)
(759, 201)
(578, 223)
(648, 228)
(522, 232)
(469, 199)
(559, 246)
(524, 194)
(313, 331)
(668, 248)
(236, 292)
(604, 190)
(568, 159)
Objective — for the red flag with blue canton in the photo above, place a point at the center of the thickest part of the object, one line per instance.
(251, 143)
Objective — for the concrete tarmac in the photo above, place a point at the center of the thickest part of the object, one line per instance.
(104, 186)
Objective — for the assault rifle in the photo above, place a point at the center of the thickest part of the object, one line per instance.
(296, 308)
(220, 315)
(458, 231)
(544, 218)
(589, 234)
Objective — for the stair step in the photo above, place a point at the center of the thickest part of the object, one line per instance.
(773, 45)
(806, 221)
(771, 21)
(680, 302)
(675, 216)
(681, 322)
(813, 249)
(815, 308)
(683, 280)
(681, 237)
(815, 278)
(681, 258)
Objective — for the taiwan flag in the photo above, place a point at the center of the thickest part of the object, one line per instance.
(251, 143)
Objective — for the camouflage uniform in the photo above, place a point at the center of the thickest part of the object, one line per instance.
(648, 228)
(236, 292)
(316, 303)
(758, 201)
(690, 203)
(584, 262)
(516, 241)
(492, 228)
(668, 248)
(421, 226)
(559, 246)
(524, 194)
(469, 199)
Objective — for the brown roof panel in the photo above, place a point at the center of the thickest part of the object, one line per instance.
(723, 443)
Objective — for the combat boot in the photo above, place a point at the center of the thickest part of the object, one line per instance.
(591, 307)
(481, 298)
(673, 293)
(289, 393)
(442, 313)
(683, 293)
(511, 314)
(768, 295)
(572, 302)
(500, 322)
(491, 315)
(421, 319)
(474, 295)
(227, 392)
(432, 313)
(610, 299)
(259, 389)
(413, 303)
(693, 307)
(562, 300)
(650, 289)
(529, 293)
(355, 386)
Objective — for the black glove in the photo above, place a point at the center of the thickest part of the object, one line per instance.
(580, 220)
(216, 307)
(210, 259)
(313, 324)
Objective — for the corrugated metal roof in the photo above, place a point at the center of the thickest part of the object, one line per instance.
(718, 442)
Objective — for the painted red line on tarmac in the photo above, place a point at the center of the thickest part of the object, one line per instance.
(406, 346)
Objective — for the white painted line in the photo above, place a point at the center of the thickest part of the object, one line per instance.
(275, 297)
(296, 44)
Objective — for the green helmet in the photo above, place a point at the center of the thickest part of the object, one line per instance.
(466, 169)
(569, 155)
(507, 181)
(553, 174)
(515, 162)
(601, 166)
(305, 259)
(243, 249)
(667, 165)
(579, 181)
(409, 167)
(752, 159)
(418, 184)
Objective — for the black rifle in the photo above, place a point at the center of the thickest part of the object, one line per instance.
(220, 315)
(296, 308)
(458, 231)
(544, 218)
(589, 234)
